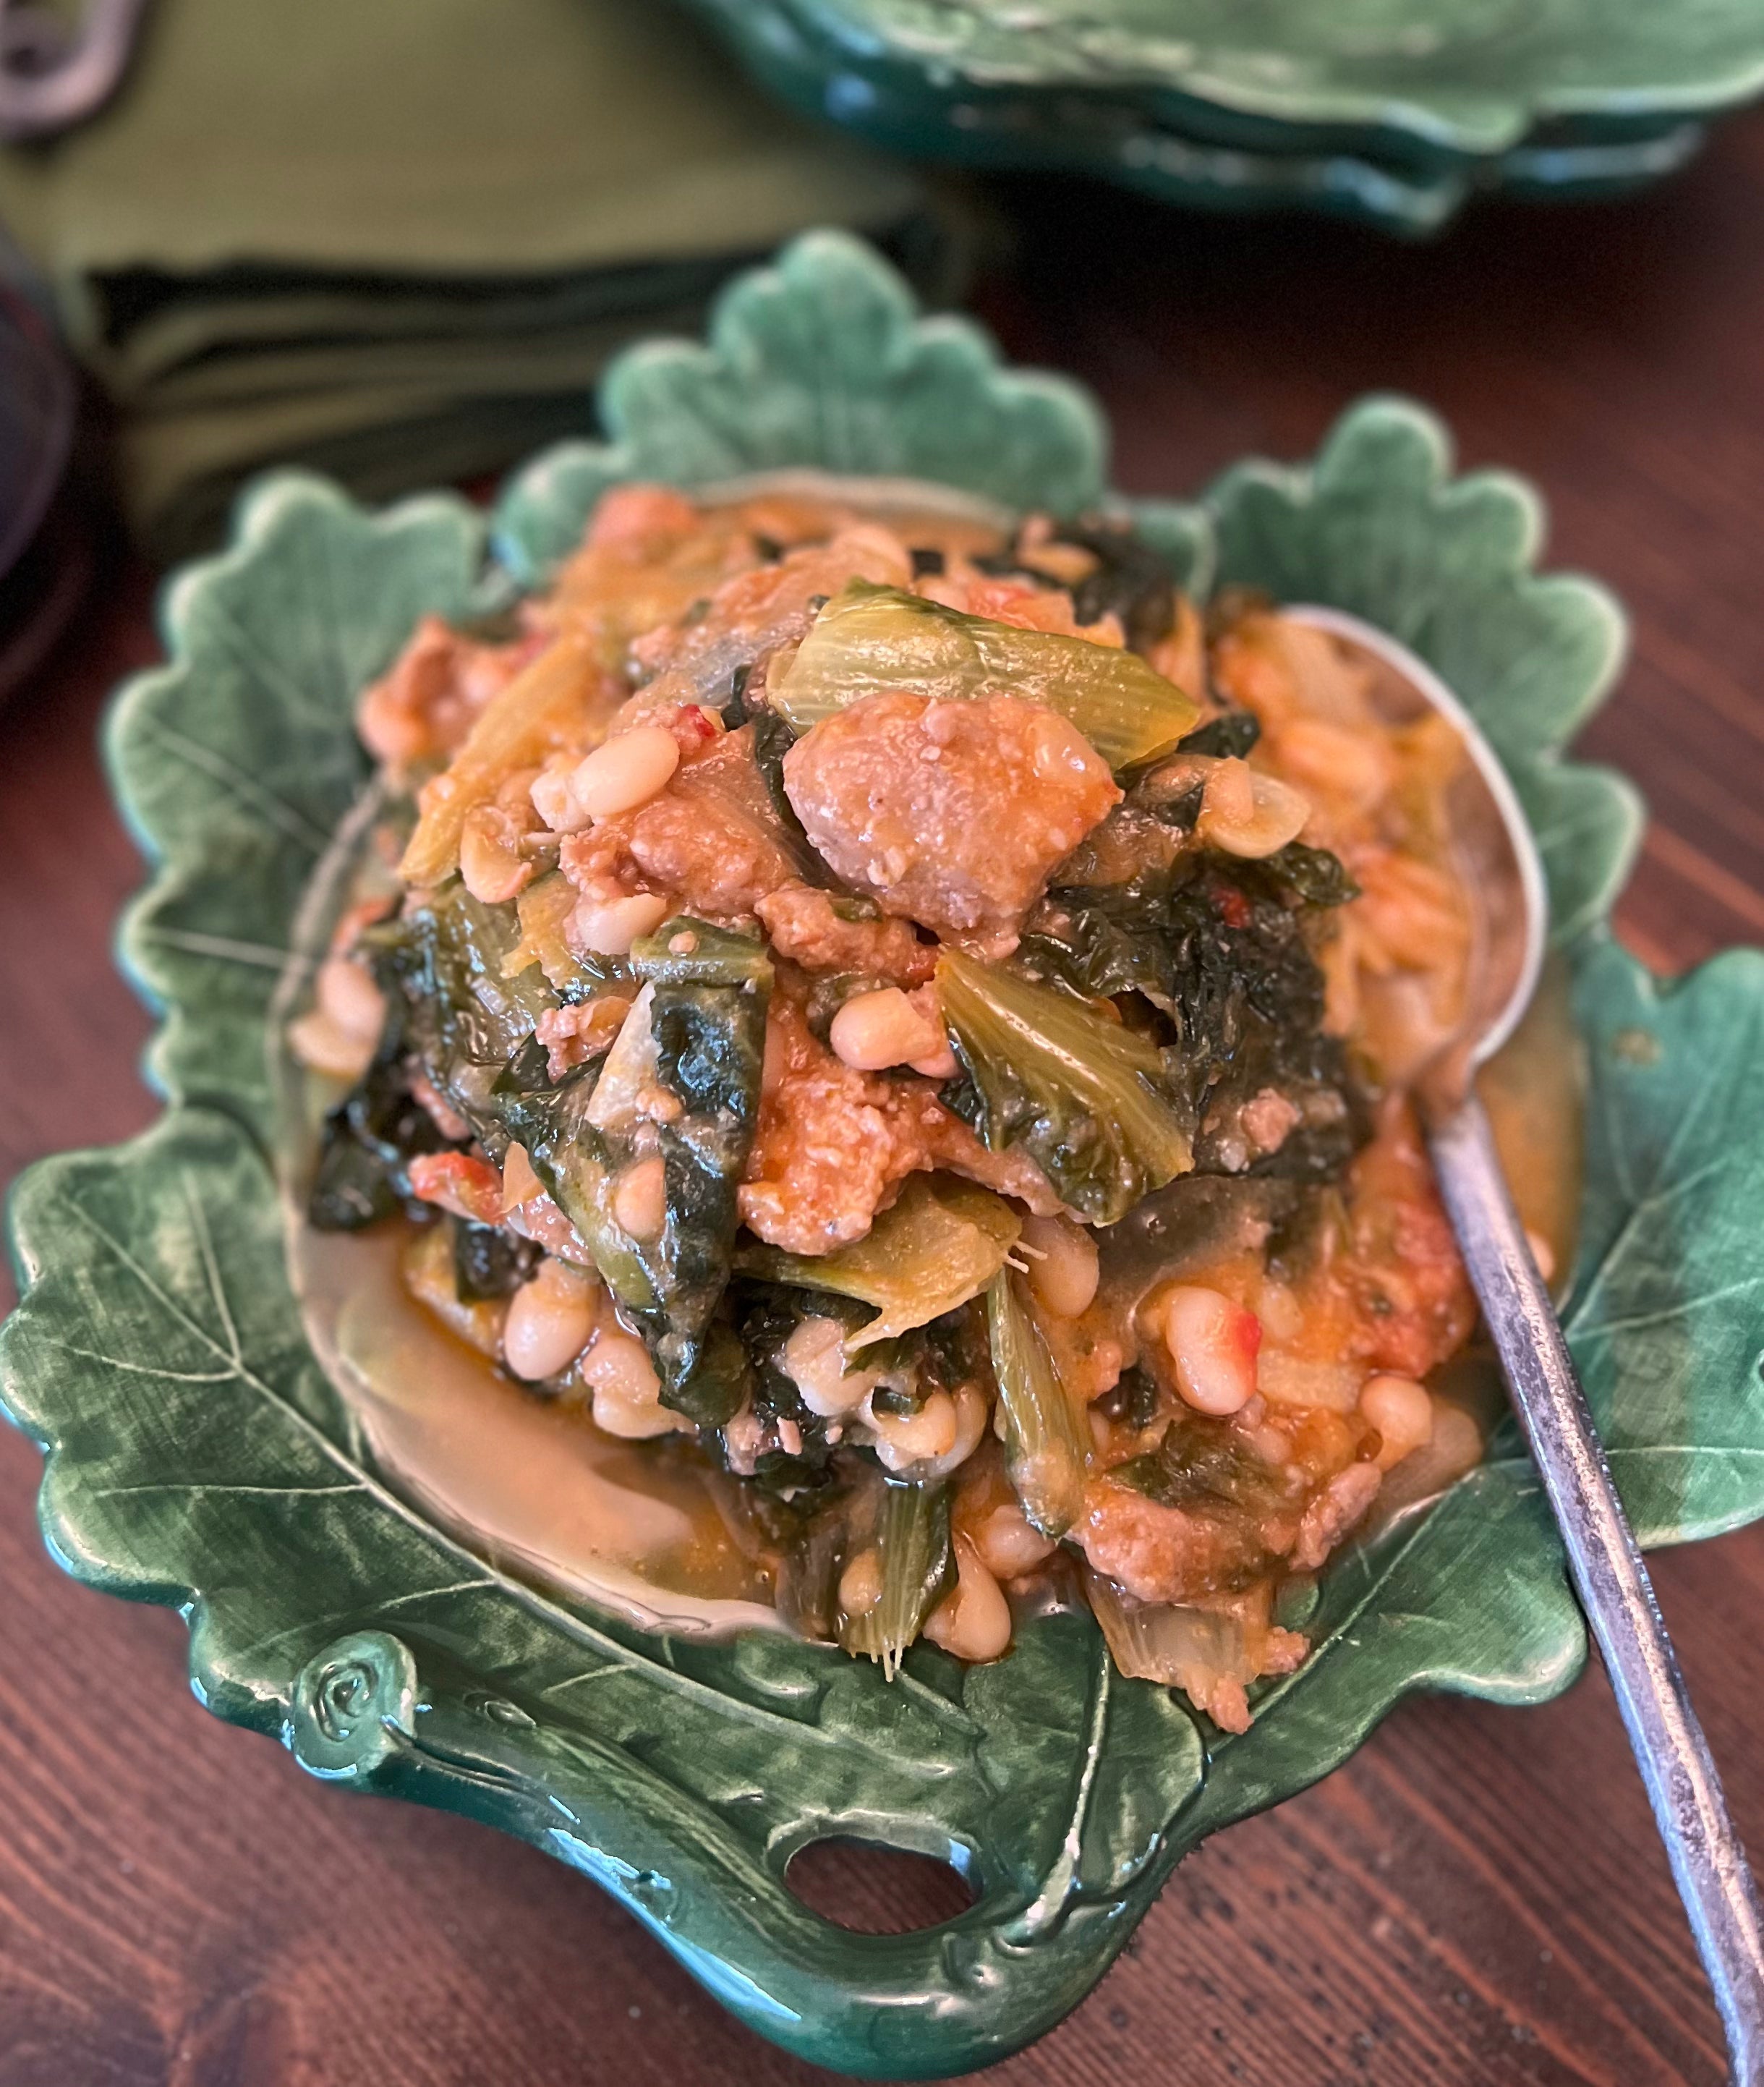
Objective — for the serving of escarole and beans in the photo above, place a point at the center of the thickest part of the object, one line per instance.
(908, 1020)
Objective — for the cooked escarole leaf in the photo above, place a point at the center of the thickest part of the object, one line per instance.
(941, 1243)
(543, 912)
(1098, 1107)
(869, 639)
(554, 1120)
(1103, 939)
(1190, 1649)
(1205, 1464)
(684, 951)
(867, 1566)
(464, 1018)
(367, 1141)
(717, 1388)
(680, 1088)
(899, 1565)
(1223, 949)
(1046, 1438)
(1130, 580)
(545, 706)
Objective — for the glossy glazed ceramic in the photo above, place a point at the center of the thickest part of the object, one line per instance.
(1388, 110)
(197, 1455)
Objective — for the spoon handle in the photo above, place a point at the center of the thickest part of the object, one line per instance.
(1708, 1863)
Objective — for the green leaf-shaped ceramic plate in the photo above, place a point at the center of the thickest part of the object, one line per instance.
(1426, 78)
(197, 1455)
(1391, 111)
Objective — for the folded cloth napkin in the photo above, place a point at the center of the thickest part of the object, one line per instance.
(399, 239)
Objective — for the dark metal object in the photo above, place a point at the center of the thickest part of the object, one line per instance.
(1708, 1863)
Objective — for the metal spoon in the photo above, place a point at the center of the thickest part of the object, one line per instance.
(1501, 861)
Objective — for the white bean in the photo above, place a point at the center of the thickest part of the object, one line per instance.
(625, 771)
(876, 1030)
(640, 1198)
(910, 1438)
(1401, 1412)
(1063, 1267)
(626, 1390)
(608, 927)
(1212, 1344)
(972, 1410)
(860, 1585)
(939, 1064)
(1248, 813)
(346, 992)
(814, 1359)
(492, 866)
(319, 1044)
(1009, 1542)
(960, 1434)
(549, 1321)
(973, 1622)
(552, 798)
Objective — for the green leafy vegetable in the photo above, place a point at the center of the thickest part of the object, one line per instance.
(1192, 1650)
(897, 1552)
(554, 1121)
(1313, 876)
(721, 1382)
(488, 1262)
(1204, 1463)
(1098, 1107)
(684, 951)
(695, 1034)
(773, 739)
(941, 1243)
(869, 639)
(1231, 732)
(367, 1141)
(1045, 1445)
(767, 1314)
(543, 910)
(1130, 580)
(1222, 948)
(463, 1017)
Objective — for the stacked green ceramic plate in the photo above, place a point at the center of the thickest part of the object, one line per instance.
(1396, 111)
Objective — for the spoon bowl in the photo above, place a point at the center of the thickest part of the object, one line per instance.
(1497, 855)
(1497, 859)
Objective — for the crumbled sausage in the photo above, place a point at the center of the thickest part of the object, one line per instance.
(713, 835)
(806, 928)
(580, 1030)
(832, 1144)
(1165, 1554)
(713, 838)
(1412, 1303)
(950, 813)
(427, 700)
(1333, 1513)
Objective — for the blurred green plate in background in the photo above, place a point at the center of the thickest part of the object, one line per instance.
(1392, 110)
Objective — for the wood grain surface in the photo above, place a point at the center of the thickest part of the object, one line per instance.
(1477, 1898)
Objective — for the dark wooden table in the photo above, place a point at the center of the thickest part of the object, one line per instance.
(1478, 1896)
